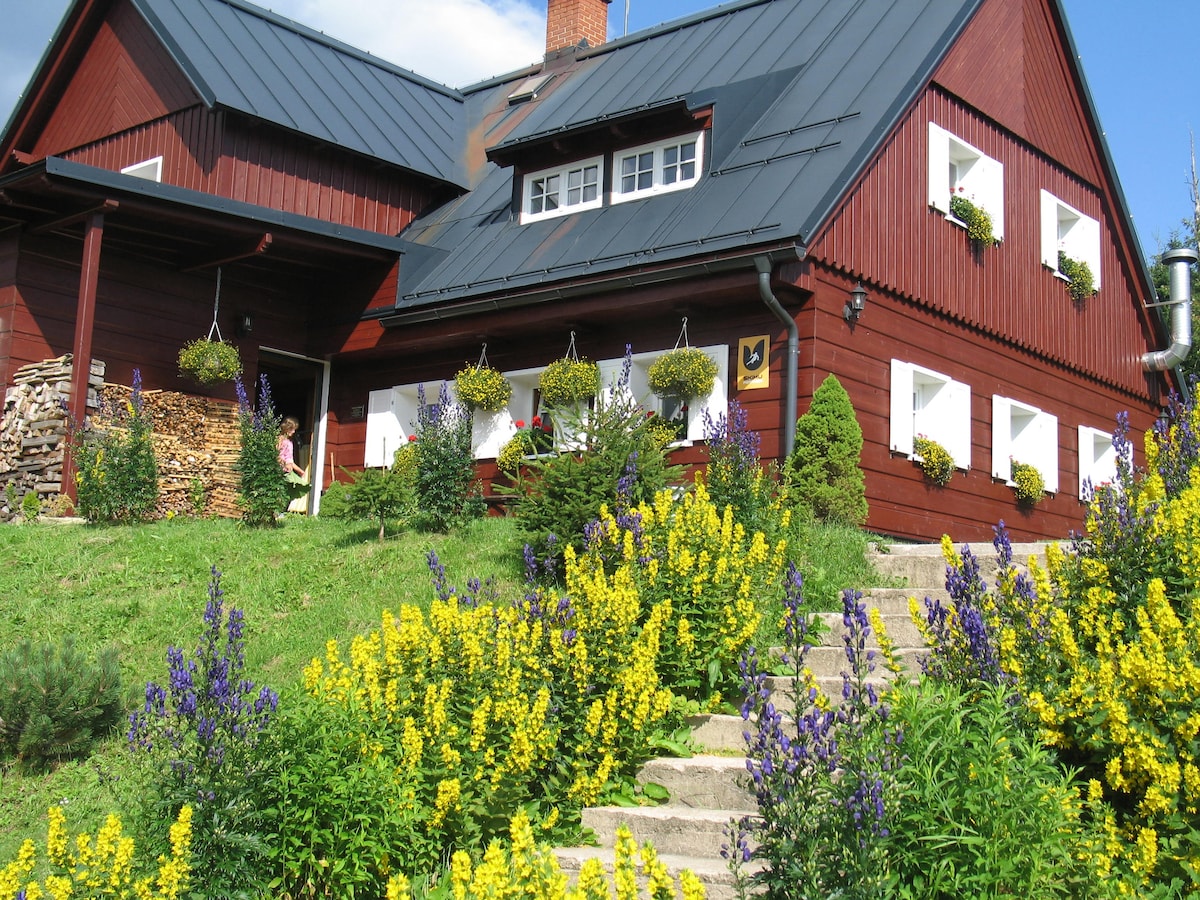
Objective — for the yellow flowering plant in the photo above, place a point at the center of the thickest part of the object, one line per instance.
(977, 219)
(569, 380)
(936, 461)
(1102, 646)
(104, 866)
(482, 387)
(1028, 483)
(685, 372)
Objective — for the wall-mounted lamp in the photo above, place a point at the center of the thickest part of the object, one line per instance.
(855, 304)
(245, 324)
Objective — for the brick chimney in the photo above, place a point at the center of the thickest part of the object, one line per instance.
(571, 22)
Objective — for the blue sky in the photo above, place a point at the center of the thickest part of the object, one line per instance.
(1139, 60)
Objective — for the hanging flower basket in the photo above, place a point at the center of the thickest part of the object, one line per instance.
(567, 381)
(207, 362)
(936, 461)
(1028, 484)
(483, 388)
(685, 372)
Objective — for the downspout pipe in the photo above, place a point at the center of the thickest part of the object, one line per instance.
(762, 265)
(1180, 265)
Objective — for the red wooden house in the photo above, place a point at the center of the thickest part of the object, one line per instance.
(748, 169)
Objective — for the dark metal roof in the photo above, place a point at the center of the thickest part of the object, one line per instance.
(803, 92)
(244, 58)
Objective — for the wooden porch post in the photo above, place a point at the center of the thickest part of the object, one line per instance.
(85, 318)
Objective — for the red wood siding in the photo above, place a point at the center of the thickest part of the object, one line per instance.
(217, 153)
(1010, 62)
(888, 235)
(901, 502)
(125, 78)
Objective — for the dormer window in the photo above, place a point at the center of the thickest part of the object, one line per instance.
(657, 168)
(557, 192)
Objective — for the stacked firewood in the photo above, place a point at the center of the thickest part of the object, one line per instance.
(35, 429)
(195, 444)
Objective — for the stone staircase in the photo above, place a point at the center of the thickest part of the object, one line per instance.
(706, 790)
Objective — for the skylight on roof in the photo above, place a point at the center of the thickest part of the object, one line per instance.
(530, 88)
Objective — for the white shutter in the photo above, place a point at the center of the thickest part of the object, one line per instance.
(1048, 440)
(902, 407)
(716, 404)
(992, 192)
(1001, 438)
(959, 426)
(1090, 242)
(1049, 230)
(939, 168)
(383, 429)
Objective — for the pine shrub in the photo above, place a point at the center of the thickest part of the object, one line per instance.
(262, 487)
(381, 494)
(824, 469)
(54, 702)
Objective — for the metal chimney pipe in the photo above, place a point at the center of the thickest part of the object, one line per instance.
(1180, 262)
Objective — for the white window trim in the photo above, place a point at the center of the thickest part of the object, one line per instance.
(975, 175)
(562, 172)
(392, 417)
(658, 187)
(1080, 241)
(1035, 441)
(944, 414)
(149, 169)
(1097, 458)
(716, 403)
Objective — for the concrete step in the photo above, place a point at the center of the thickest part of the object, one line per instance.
(830, 663)
(718, 733)
(923, 564)
(675, 830)
(894, 601)
(901, 630)
(702, 782)
(713, 873)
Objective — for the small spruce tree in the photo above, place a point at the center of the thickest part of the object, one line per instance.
(824, 467)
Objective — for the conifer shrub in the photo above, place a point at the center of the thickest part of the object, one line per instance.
(824, 471)
(54, 702)
(446, 489)
(116, 473)
(262, 487)
(382, 494)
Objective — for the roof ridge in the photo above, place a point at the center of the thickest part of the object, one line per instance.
(332, 43)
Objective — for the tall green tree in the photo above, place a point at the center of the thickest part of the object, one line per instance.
(825, 468)
(1186, 235)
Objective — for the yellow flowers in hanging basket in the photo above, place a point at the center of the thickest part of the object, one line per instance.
(936, 461)
(569, 380)
(683, 372)
(209, 362)
(1028, 484)
(482, 387)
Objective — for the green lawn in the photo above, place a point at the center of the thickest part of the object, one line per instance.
(142, 588)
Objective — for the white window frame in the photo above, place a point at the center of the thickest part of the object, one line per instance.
(564, 174)
(715, 403)
(1074, 233)
(957, 167)
(1027, 434)
(148, 169)
(1097, 458)
(660, 165)
(930, 404)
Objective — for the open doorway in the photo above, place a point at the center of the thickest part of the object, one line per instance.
(299, 388)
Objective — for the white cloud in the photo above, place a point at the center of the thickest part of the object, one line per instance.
(456, 42)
